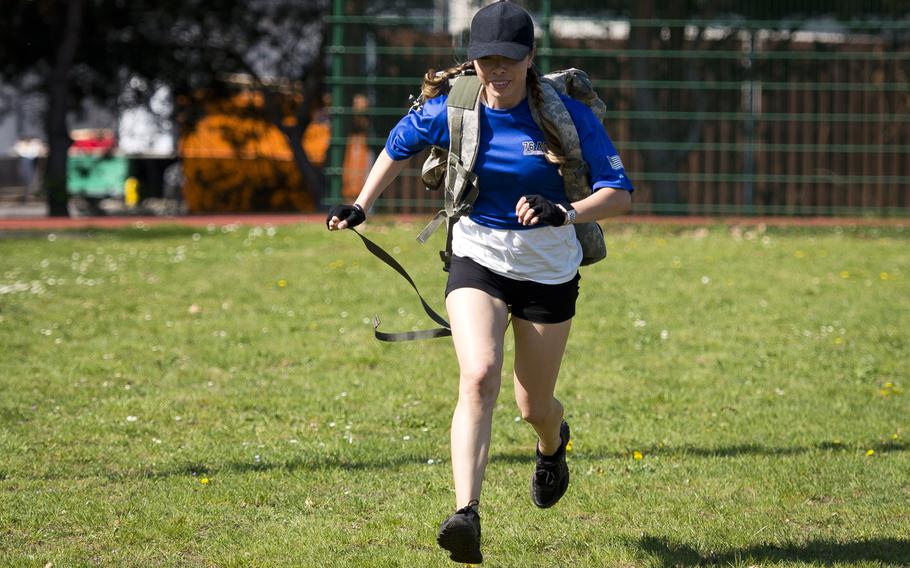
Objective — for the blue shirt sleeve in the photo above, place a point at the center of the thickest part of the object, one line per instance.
(419, 129)
(605, 168)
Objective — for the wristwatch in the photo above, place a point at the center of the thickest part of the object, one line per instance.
(569, 211)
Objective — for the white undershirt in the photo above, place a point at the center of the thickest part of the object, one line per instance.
(548, 255)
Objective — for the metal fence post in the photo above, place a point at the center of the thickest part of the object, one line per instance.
(336, 150)
(749, 154)
(545, 16)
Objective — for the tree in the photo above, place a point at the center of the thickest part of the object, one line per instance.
(40, 51)
(74, 51)
(278, 46)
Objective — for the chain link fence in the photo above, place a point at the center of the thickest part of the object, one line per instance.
(723, 107)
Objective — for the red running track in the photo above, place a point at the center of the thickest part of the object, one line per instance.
(39, 224)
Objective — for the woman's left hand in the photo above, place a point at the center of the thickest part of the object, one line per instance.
(534, 209)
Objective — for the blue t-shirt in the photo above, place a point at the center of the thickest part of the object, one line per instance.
(510, 160)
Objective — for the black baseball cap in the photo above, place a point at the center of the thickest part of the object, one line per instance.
(502, 28)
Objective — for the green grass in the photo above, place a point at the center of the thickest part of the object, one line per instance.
(194, 397)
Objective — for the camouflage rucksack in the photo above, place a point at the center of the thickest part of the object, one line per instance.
(452, 169)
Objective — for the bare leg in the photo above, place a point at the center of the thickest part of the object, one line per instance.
(478, 323)
(538, 353)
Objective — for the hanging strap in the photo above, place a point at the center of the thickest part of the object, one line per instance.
(385, 257)
(463, 107)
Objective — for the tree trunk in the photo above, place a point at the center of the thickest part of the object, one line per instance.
(311, 101)
(58, 138)
(312, 176)
(313, 85)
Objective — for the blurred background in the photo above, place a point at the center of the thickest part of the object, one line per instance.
(797, 107)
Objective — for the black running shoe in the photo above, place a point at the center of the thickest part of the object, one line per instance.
(460, 535)
(551, 476)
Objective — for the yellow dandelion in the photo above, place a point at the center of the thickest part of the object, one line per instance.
(799, 254)
(870, 453)
(204, 481)
(636, 455)
(884, 276)
(889, 385)
(569, 445)
(838, 340)
(282, 283)
(845, 274)
(894, 436)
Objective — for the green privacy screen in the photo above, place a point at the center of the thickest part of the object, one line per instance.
(728, 107)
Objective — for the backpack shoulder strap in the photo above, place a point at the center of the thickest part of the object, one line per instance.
(463, 106)
(464, 92)
(463, 109)
(464, 125)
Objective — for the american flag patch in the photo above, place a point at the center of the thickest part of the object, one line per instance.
(616, 163)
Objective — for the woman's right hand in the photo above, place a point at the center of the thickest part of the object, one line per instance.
(345, 217)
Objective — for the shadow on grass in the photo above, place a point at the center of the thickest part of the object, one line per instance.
(126, 233)
(733, 451)
(301, 464)
(396, 461)
(821, 552)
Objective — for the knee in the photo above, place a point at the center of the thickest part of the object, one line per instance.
(538, 413)
(479, 384)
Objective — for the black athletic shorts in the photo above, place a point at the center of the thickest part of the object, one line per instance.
(532, 301)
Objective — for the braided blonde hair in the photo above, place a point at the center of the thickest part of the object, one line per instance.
(555, 153)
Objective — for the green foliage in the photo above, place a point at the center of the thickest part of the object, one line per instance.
(186, 44)
(214, 397)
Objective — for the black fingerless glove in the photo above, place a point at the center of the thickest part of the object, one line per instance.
(547, 212)
(353, 214)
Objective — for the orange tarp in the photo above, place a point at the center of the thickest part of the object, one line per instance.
(228, 131)
(235, 161)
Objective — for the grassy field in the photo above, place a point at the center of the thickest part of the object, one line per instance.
(214, 397)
